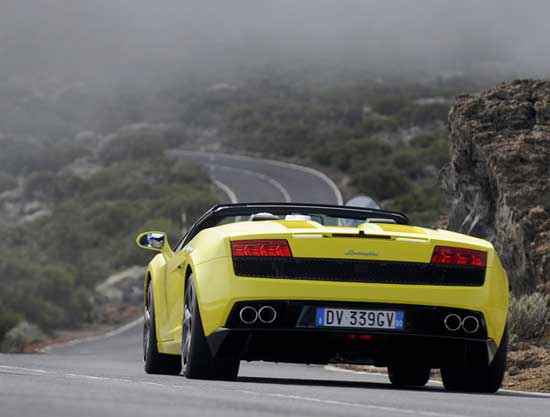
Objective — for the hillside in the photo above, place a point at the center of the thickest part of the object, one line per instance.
(386, 138)
(69, 214)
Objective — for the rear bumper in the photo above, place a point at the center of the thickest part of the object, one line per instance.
(324, 347)
(295, 337)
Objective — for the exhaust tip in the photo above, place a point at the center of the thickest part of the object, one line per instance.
(452, 322)
(267, 314)
(248, 315)
(470, 324)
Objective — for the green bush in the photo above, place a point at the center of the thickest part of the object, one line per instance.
(415, 115)
(47, 315)
(424, 140)
(390, 105)
(8, 320)
(132, 145)
(51, 186)
(382, 182)
(374, 123)
(528, 315)
(423, 205)
(22, 155)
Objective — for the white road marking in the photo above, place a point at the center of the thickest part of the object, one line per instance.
(20, 369)
(228, 191)
(333, 368)
(262, 177)
(353, 404)
(34, 371)
(288, 165)
(111, 333)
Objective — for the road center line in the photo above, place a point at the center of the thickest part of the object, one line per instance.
(35, 371)
(228, 191)
(276, 184)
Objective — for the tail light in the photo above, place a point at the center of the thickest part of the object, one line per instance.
(459, 256)
(257, 248)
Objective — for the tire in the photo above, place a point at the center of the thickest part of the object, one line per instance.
(486, 379)
(403, 376)
(155, 362)
(196, 357)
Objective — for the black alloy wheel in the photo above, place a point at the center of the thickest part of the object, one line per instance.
(411, 376)
(482, 379)
(197, 360)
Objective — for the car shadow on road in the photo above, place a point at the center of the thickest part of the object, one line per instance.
(371, 385)
(328, 383)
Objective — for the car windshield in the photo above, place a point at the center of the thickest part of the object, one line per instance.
(327, 215)
(323, 219)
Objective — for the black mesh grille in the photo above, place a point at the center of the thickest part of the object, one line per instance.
(346, 270)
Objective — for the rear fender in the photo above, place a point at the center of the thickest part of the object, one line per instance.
(208, 246)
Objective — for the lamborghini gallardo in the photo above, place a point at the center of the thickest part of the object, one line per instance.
(322, 284)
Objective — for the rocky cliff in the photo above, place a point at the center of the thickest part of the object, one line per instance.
(498, 180)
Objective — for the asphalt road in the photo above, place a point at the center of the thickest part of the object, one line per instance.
(254, 180)
(104, 376)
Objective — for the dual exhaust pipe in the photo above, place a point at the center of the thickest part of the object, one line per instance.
(265, 315)
(453, 323)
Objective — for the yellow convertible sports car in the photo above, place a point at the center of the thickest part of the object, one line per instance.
(319, 284)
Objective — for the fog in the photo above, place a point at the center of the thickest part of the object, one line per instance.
(113, 40)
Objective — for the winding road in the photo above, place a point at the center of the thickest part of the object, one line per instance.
(103, 376)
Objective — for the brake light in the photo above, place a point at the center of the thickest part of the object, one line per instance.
(256, 248)
(459, 256)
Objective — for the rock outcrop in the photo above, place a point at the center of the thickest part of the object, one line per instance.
(125, 286)
(498, 180)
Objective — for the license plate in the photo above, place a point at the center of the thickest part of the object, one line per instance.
(364, 319)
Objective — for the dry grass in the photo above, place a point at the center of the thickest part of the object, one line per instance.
(528, 316)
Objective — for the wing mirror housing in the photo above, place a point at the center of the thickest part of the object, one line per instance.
(155, 241)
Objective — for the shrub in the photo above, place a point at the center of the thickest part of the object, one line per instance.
(409, 162)
(131, 145)
(23, 155)
(49, 186)
(390, 105)
(8, 320)
(423, 205)
(416, 115)
(383, 182)
(423, 140)
(528, 315)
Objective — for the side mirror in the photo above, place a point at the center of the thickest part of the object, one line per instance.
(157, 241)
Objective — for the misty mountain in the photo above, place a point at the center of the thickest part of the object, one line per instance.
(111, 40)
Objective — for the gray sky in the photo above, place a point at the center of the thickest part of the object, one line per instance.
(113, 39)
